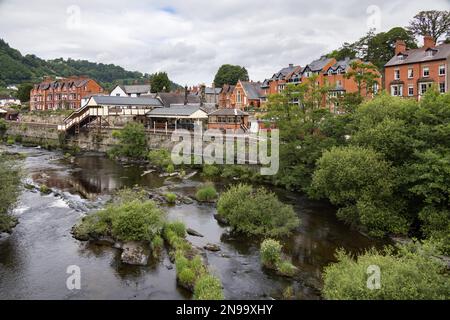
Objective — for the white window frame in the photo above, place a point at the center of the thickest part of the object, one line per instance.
(399, 89)
(442, 67)
(423, 72)
(409, 91)
(427, 84)
(397, 74)
(440, 84)
(410, 73)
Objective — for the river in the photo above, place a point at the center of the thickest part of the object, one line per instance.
(34, 259)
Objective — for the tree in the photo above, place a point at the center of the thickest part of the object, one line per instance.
(365, 75)
(412, 272)
(380, 48)
(432, 23)
(132, 141)
(230, 74)
(347, 50)
(160, 82)
(23, 92)
(362, 184)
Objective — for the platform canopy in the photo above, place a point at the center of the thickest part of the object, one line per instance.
(178, 112)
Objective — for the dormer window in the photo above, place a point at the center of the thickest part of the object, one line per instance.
(330, 72)
(430, 53)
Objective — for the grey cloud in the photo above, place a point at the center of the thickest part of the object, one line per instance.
(191, 42)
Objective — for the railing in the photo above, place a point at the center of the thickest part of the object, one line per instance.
(69, 121)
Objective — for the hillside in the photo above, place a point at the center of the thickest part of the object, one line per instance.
(16, 68)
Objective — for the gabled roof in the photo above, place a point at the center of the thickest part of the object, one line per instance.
(284, 72)
(228, 112)
(252, 89)
(169, 98)
(341, 64)
(319, 64)
(127, 101)
(441, 52)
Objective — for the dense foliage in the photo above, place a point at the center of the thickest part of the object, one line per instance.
(128, 221)
(206, 193)
(9, 189)
(208, 287)
(230, 74)
(383, 163)
(271, 257)
(132, 141)
(256, 212)
(411, 272)
(160, 82)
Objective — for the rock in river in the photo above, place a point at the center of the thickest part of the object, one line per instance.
(135, 253)
(212, 247)
(194, 233)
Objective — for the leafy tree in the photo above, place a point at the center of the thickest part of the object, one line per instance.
(362, 184)
(230, 74)
(160, 82)
(132, 141)
(411, 273)
(256, 212)
(365, 75)
(9, 190)
(432, 23)
(348, 50)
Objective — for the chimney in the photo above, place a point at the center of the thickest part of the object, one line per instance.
(428, 42)
(186, 92)
(400, 46)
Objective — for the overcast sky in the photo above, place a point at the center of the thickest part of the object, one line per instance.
(190, 39)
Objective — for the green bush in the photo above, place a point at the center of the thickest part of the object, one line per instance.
(206, 193)
(286, 268)
(10, 140)
(159, 158)
(44, 189)
(270, 253)
(130, 221)
(177, 227)
(128, 195)
(170, 168)
(132, 141)
(171, 198)
(210, 171)
(362, 183)
(157, 243)
(411, 273)
(3, 126)
(134, 221)
(188, 271)
(208, 287)
(256, 212)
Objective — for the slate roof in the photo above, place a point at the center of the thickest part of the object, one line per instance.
(419, 55)
(228, 112)
(137, 88)
(209, 90)
(319, 64)
(284, 72)
(253, 89)
(127, 101)
(183, 111)
(169, 98)
(341, 64)
(61, 83)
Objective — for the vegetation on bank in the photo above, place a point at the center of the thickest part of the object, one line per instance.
(132, 142)
(256, 212)
(10, 177)
(409, 272)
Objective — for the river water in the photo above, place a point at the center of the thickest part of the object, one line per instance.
(35, 258)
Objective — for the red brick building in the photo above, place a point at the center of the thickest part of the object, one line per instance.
(226, 96)
(63, 93)
(228, 119)
(411, 72)
(246, 94)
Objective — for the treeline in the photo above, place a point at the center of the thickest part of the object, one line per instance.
(16, 68)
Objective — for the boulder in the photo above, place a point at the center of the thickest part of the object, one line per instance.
(194, 233)
(212, 247)
(135, 253)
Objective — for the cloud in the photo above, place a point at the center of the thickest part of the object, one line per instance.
(191, 39)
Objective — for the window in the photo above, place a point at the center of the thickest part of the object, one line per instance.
(410, 73)
(396, 90)
(239, 97)
(411, 91)
(397, 74)
(330, 72)
(424, 87)
(375, 88)
(426, 72)
(442, 87)
(338, 83)
(442, 70)
(430, 53)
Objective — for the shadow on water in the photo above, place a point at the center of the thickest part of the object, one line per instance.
(34, 259)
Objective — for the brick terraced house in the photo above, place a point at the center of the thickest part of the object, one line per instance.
(62, 93)
(411, 72)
